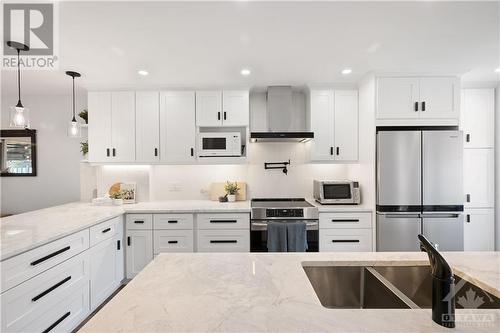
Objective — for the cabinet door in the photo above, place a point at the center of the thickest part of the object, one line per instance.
(478, 117)
(479, 230)
(235, 108)
(147, 126)
(139, 251)
(177, 126)
(209, 108)
(322, 119)
(396, 98)
(120, 254)
(99, 106)
(346, 125)
(102, 272)
(123, 126)
(440, 95)
(479, 178)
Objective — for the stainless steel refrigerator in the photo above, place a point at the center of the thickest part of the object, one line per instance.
(419, 189)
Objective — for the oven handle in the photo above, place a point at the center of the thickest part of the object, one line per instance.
(262, 225)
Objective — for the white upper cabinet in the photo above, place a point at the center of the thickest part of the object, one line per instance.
(417, 98)
(479, 178)
(235, 108)
(147, 126)
(334, 121)
(177, 126)
(209, 108)
(99, 107)
(478, 117)
(222, 108)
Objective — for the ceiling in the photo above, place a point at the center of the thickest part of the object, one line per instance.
(202, 45)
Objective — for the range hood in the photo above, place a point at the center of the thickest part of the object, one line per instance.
(283, 122)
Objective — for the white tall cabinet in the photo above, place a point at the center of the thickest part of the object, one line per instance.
(334, 121)
(477, 122)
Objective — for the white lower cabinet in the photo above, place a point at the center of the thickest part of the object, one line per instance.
(350, 232)
(479, 230)
(139, 251)
(173, 241)
(237, 240)
(103, 282)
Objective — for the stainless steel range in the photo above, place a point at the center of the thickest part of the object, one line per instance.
(283, 210)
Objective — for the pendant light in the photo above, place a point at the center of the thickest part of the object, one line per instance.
(74, 130)
(19, 115)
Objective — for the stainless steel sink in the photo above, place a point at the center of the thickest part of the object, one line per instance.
(387, 287)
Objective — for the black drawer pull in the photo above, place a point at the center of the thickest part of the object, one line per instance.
(173, 242)
(223, 241)
(58, 284)
(345, 240)
(218, 115)
(107, 152)
(467, 138)
(423, 106)
(139, 222)
(57, 322)
(114, 151)
(118, 245)
(224, 115)
(416, 106)
(128, 241)
(467, 218)
(47, 257)
(338, 150)
(156, 151)
(106, 230)
(331, 150)
(192, 151)
(223, 221)
(467, 198)
(173, 221)
(345, 220)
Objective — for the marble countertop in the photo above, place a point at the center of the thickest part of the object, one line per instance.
(195, 206)
(257, 292)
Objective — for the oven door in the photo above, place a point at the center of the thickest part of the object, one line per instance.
(337, 192)
(258, 235)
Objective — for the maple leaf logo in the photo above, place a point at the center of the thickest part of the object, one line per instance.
(470, 300)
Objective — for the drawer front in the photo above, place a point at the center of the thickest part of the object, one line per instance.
(223, 221)
(173, 221)
(104, 231)
(345, 220)
(345, 240)
(139, 221)
(173, 241)
(28, 303)
(26, 265)
(223, 240)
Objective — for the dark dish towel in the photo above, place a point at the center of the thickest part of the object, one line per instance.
(296, 236)
(276, 237)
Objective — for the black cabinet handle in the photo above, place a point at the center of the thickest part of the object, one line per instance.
(57, 322)
(345, 240)
(467, 138)
(107, 152)
(224, 115)
(223, 241)
(331, 150)
(57, 285)
(173, 242)
(223, 221)
(192, 151)
(467, 197)
(338, 150)
(218, 115)
(139, 222)
(47, 257)
(423, 106)
(173, 221)
(118, 245)
(128, 241)
(114, 151)
(156, 151)
(345, 220)
(416, 106)
(467, 218)
(106, 230)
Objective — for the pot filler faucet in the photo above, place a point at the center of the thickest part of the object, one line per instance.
(443, 285)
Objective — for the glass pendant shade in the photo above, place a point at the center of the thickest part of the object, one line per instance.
(74, 129)
(19, 117)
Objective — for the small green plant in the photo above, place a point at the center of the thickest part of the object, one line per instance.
(117, 195)
(84, 115)
(231, 188)
(84, 147)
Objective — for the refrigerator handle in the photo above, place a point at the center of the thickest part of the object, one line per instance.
(441, 215)
(404, 215)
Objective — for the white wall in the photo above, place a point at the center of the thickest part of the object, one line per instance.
(58, 156)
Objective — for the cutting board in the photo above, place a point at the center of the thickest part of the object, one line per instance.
(217, 190)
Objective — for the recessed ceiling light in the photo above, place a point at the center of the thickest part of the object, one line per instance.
(497, 70)
(346, 71)
(245, 72)
(142, 72)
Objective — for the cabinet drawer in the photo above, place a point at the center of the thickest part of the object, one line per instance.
(173, 241)
(103, 231)
(223, 221)
(139, 221)
(173, 221)
(28, 303)
(345, 240)
(223, 241)
(345, 220)
(26, 265)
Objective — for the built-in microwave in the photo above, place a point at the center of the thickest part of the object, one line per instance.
(337, 192)
(219, 144)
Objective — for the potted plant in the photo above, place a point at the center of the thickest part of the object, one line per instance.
(84, 147)
(117, 198)
(84, 115)
(231, 191)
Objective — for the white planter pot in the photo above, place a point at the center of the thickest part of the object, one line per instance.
(231, 197)
(117, 202)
